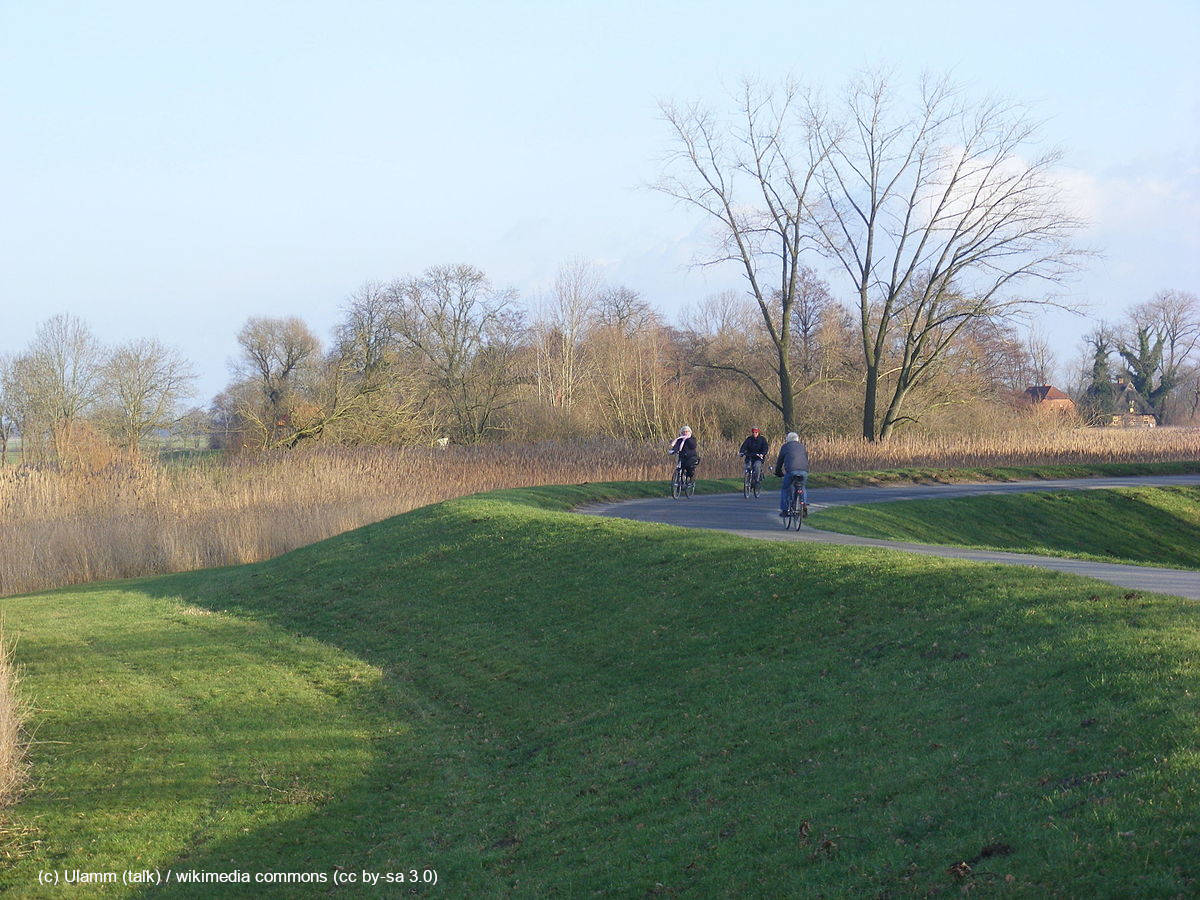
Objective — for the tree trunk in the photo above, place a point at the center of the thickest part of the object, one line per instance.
(892, 415)
(787, 403)
(869, 402)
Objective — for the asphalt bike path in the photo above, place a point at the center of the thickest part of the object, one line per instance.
(760, 519)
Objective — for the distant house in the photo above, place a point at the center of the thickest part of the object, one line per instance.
(1128, 408)
(1046, 398)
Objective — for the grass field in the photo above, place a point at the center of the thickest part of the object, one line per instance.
(532, 702)
(1150, 526)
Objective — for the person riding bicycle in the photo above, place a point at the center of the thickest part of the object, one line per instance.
(754, 450)
(685, 447)
(792, 464)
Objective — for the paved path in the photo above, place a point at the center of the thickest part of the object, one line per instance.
(759, 519)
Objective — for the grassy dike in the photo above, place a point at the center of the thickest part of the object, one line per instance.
(533, 702)
(984, 474)
(1145, 525)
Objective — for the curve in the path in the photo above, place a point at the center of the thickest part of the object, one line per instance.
(759, 519)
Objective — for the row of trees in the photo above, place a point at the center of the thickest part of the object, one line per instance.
(446, 355)
(67, 383)
(1155, 348)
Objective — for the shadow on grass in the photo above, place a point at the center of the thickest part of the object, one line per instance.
(574, 705)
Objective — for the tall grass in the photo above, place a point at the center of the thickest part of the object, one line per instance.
(133, 518)
(13, 769)
(1034, 445)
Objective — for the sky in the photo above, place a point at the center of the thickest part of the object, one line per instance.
(169, 169)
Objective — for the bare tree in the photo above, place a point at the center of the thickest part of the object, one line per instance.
(369, 392)
(560, 329)
(366, 337)
(8, 411)
(754, 176)
(56, 382)
(624, 308)
(144, 382)
(725, 315)
(1159, 343)
(1042, 358)
(939, 215)
(635, 381)
(466, 334)
(275, 355)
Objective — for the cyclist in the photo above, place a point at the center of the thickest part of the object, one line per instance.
(754, 450)
(685, 447)
(792, 463)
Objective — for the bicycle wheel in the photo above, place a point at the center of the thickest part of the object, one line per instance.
(690, 486)
(746, 488)
(676, 485)
(794, 508)
(755, 484)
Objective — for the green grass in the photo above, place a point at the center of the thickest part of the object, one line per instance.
(967, 474)
(538, 703)
(1148, 526)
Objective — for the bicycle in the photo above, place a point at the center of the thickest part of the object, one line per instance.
(682, 483)
(797, 510)
(752, 477)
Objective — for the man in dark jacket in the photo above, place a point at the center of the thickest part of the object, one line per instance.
(792, 463)
(754, 451)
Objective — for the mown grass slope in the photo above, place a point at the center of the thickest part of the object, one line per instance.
(970, 474)
(534, 702)
(1147, 525)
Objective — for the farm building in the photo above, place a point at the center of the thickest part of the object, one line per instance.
(1129, 409)
(1046, 398)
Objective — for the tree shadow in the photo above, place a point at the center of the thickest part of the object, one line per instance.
(568, 704)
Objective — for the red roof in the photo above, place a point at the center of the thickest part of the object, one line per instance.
(1041, 392)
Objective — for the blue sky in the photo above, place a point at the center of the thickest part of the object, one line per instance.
(169, 168)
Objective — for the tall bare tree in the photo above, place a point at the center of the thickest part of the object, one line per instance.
(939, 213)
(370, 391)
(753, 175)
(560, 328)
(276, 353)
(56, 382)
(466, 334)
(144, 381)
(366, 335)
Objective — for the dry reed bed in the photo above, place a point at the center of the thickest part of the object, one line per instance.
(69, 527)
(13, 768)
